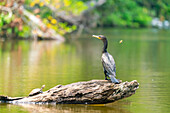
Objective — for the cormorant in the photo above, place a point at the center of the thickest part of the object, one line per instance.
(108, 62)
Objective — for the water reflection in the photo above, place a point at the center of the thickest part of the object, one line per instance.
(144, 56)
(27, 65)
(72, 108)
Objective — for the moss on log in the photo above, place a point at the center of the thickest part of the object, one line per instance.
(90, 92)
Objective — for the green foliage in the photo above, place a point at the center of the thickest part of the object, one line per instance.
(25, 32)
(157, 8)
(5, 19)
(9, 30)
(125, 13)
(73, 7)
(41, 9)
(2, 3)
(121, 13)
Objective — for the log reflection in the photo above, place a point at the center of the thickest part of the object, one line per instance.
(71, 108)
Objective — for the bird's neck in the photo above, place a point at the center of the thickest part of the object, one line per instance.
(105, 45)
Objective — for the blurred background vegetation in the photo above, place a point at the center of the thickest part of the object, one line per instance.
(132, 13)
(51, 19)
(143, 56)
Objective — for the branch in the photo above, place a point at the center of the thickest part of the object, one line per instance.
(41, 29)
(90, 92)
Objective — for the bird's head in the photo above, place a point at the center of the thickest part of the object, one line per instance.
(101, 37)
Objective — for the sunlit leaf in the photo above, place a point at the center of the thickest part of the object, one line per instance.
(50, 17)
(9, 30)
(41, 4)
(36, 1)
(16, 30)
(53, 21)
(45, 21)
(1, 22)
(74, 27)
(49, 25)
(67, 3)
(2, 3)
(32, 4)
(91, 4)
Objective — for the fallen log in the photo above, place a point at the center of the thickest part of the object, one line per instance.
(90, 92)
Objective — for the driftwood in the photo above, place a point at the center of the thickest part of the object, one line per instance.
(90, 92)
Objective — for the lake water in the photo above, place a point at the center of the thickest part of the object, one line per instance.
(144, 56)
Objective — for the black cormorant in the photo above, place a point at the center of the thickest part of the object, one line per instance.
(108, 62)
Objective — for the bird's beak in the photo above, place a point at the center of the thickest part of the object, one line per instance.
(96, 36)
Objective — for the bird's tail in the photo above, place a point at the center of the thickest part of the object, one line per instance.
(113, 79)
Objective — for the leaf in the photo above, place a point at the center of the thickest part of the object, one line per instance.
(32, 4)
(1, 23)
(9, 30)
(53, 21)
(49, 25)
(41, 4)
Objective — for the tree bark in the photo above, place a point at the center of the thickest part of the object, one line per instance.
(90, 92)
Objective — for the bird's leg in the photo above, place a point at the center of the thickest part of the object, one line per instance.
(105, 75)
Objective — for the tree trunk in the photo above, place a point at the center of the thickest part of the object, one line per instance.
(90, 92)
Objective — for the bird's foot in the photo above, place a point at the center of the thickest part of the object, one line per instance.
(116, 82)
(107, 78)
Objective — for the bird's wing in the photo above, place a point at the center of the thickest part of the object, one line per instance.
(108, 64)
(113, 62)
(103, 66)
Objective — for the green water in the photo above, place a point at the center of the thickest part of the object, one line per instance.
(144, 56)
